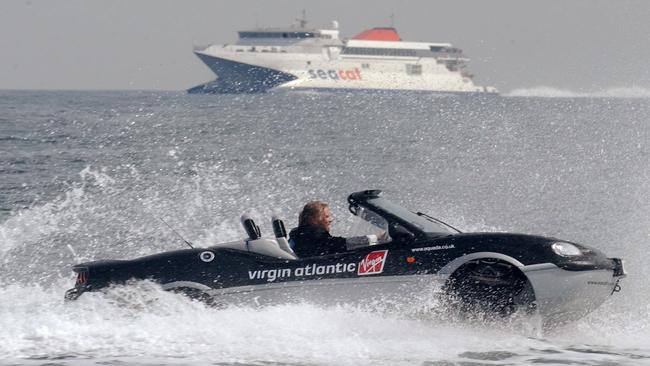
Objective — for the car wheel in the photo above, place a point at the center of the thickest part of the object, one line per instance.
(490, 287)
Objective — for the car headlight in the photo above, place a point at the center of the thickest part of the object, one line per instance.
(566, 249)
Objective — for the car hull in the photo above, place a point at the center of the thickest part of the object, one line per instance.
(558, 295)
(563, 296)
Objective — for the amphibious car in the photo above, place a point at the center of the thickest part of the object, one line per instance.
(404, 255)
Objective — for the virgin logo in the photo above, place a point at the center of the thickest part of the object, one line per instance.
(373, 263)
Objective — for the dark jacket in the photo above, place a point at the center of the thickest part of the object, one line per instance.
(311, 241)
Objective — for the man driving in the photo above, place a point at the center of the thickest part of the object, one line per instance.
(312, 238)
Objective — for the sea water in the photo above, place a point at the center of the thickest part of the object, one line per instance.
(88, 175)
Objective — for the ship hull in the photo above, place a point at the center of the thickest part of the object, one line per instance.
(239, 77)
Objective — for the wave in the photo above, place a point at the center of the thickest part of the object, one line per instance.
(157, 327)
(551, 92)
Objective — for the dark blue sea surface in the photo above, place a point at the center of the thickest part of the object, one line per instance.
(87, 175)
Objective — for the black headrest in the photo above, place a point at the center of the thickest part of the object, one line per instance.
(278, 227)
(252, 230)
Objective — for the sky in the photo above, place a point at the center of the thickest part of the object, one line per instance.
(579, 45)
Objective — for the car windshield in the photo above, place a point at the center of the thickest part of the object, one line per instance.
(370, 223)
(423, 222)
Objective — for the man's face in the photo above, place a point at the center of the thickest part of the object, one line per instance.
(324, 220)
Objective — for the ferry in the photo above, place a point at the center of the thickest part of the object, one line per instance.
(304, 58)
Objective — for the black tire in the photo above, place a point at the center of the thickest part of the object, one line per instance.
(197, 295)
(490, 287)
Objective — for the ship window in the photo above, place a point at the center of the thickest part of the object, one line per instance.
(276, 35)
(379, 51)
(437, 49)
(452, 65)
(413, 69)
(365, 66)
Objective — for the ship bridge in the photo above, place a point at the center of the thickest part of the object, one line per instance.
(289, 36)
